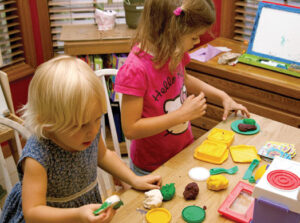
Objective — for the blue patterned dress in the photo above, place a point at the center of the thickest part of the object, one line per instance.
(72, 177)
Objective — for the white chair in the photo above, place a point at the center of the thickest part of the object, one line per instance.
(101, 74)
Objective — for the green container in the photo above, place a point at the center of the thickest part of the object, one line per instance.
(133, 11)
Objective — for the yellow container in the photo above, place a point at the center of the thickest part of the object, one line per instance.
(243, 153)
(158, 215)
(212, 152)
(221, 135)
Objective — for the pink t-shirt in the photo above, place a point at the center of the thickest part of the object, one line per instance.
(162, 92)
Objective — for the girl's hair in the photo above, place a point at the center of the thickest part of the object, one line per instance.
(59, 96)
(160, 28)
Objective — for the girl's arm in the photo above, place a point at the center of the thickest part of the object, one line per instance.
(34, 206)
(135, 127)
(110, 162)
(196, 86)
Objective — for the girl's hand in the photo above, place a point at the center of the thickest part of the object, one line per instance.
(87, 216)
(193, 107)
(147, 182)
(229, 104)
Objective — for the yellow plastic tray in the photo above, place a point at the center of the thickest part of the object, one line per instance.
(212, 152)
(221, 135)
(243, 153)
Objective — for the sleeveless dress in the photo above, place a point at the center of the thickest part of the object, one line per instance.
(72, 177)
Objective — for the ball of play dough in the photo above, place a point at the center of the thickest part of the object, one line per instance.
(217, 182)
(245, 127)
(249, 121)
(168, 191)
(191, 191)
(153, 199)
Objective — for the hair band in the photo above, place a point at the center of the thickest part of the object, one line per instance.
(178, 11)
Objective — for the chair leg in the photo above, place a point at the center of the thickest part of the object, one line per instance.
(5, 173)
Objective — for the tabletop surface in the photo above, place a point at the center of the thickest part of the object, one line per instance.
(176, 171)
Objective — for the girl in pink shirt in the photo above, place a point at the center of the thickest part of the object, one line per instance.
(156, 110)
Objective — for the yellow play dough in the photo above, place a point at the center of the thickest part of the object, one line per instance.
(217, 182)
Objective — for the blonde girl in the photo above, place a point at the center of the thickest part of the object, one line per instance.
(58, 166)
(156, 109)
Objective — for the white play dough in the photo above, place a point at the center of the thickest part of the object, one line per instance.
(199, 173)
(153, 199)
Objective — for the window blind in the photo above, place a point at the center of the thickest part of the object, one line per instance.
(11, 45)
(78, 12)
(245, 12)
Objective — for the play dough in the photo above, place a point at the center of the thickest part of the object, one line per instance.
(191, 191)
(217, 182)
(153, 199)
(199, 173)
(168, 191)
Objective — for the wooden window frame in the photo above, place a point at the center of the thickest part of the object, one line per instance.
(18, 71)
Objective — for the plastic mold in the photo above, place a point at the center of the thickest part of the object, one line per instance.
(243, 153)
(221, 135)
(212, 152)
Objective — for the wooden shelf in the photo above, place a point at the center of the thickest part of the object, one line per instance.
(264, 92)
(87, 39)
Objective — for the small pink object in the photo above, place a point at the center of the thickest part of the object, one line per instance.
(177, 11)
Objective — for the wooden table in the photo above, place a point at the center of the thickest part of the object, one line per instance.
(176, 171)
(87, 39)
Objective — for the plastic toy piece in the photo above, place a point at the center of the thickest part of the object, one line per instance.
(212, 152)
(252, 180)
(158, 215)
(221, 135)
(250, 169)
(243, 153)
(260, 172)
(193, 214)
(234, 127)
(217, 182)
(239, 204)
(199, 173)
(113, 201)
(219, 170)
(168, 191)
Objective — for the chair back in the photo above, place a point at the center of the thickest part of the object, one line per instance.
(102, 73)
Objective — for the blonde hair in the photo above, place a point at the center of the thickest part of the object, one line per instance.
(160, 28)
(58, 96)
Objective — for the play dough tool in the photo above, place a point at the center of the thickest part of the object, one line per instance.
(250, 169)
(212, 152)
(221, 135)
(113, 201)
(193, 214)
(158, 215)
(218, 170)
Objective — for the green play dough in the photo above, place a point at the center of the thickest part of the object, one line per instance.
(168, 191)
(193, 214)
(249, 121)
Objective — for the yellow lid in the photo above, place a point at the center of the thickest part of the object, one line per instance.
(158, 215)
(243, 153)
(212, 151)
(221, 135)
